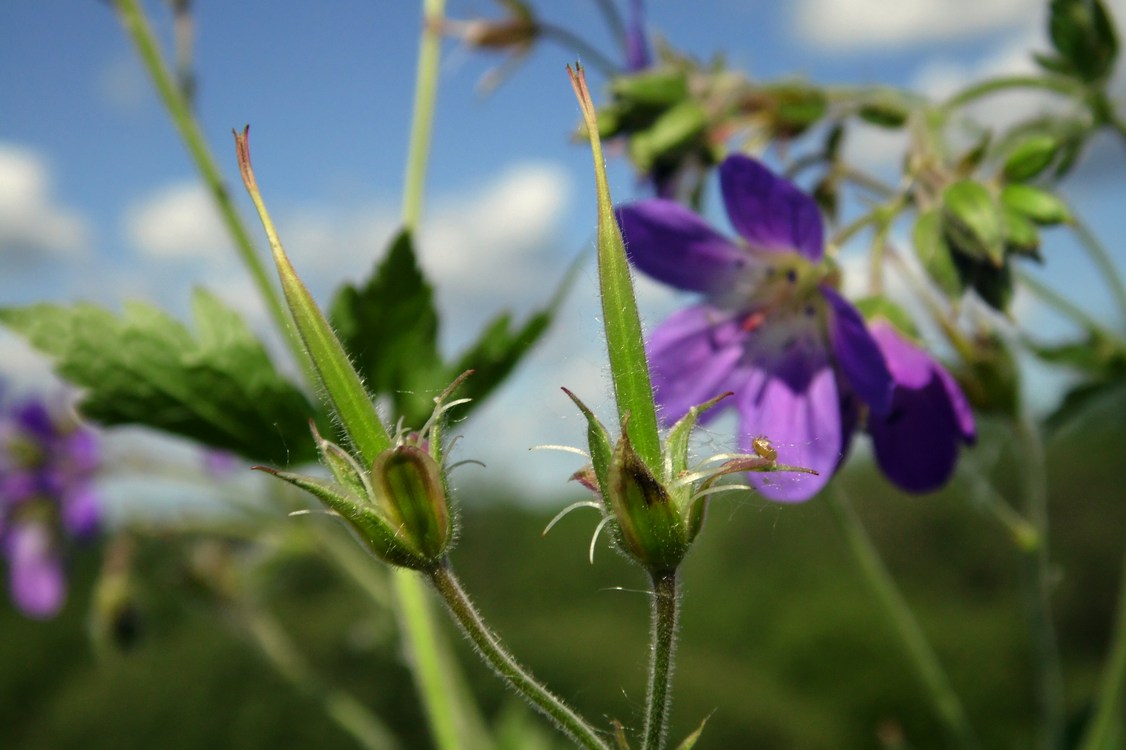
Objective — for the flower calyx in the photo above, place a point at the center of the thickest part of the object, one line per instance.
(655, 513)
(398, 507)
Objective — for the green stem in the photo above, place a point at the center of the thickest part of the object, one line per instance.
(1061, 86)
(918, 649)
(1102, 260)
(422, 121)
(136, 25)
(666, 600)
(1038, 575)
(340, 706)
(420, 639)
(506, 667)
(1105, 730)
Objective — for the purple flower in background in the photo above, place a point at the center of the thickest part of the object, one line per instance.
(637, 41)
(917, 440)
(46, 495)
(798, 357)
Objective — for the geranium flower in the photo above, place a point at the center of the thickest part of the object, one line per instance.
(46, 495)
(917, 440)
(771, 327)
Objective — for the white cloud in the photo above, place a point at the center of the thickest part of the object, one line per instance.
(177, 222)
(884, 24)
(33, 225)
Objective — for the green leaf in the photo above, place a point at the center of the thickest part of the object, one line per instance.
(390, 328)
(1084, 37)
(879, 306)
(145, 368)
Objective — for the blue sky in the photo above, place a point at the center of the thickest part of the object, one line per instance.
(99, 201)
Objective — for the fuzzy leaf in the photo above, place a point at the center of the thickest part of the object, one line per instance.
(390, 328)
(1084, 37)
(146, 368)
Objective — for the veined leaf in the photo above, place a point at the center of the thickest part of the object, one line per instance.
(217, 387)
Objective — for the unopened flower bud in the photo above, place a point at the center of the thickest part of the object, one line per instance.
(650, 526)
(408, 486)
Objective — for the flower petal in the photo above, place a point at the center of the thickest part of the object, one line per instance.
(857, 354)
(804, 427)
(37, 581)
(691, 357)
(916, 444)
(963, 414)
(670, 243)
(769, 211)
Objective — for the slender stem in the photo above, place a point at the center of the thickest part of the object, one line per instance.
(420, 637)
(1061, 304)
(136, 25)
(340, 706)
(1102, 260)
(1038, 574)
(918, 649)
(422, 121)
(507, 668)
(1062, 86)
(666, 600)
(613, 21)
(1105, 729)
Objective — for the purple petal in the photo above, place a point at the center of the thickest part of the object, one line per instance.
(637, 45)
(963, 414)
(34, 418)
(804, 427)
(912, 367)
(81, 511)
(37, 581)
(670, 243)
(916, 444)
(692, 356)
(857, 354)
(83, 451)
(768, 211)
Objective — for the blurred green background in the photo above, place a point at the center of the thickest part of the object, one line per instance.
(782, 646)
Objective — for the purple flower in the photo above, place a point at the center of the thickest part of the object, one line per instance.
(798, 357)
(46, 495)
(637, 42)
(917, 440)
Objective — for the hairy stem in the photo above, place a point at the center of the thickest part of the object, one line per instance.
(930, 672)
(505, 665)
(1105, 729)
(663, 643)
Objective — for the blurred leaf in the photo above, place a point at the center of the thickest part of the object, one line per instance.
(934, 254)
(1084, 37)
(676, 131)
(145, 368)
(1021, 235)
(1105, 399)
(971, 222)
(390, 328)
(992, 380)
(1097, 354)
(885, 109)
(992, 283)
(1030, 157)
(1035, 204)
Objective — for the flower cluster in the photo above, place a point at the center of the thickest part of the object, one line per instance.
(47, 465)
(805, 367)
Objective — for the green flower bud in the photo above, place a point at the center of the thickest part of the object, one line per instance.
(409, 489)
(971, 222)
(649, 525)
(1030, 157)
(1035, 204)
(674, 132)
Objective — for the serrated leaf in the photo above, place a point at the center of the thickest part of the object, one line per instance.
(390, 328)
(146, 368)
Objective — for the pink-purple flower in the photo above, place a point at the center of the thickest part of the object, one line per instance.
(47, 465)
(771, 328)
(917, 441)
